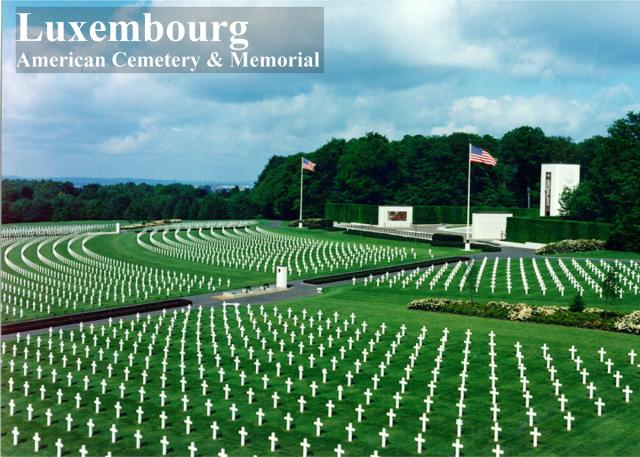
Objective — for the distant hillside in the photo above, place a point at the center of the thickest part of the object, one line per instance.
(45, 200)
(83, 181)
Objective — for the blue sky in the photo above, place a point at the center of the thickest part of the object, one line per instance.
(395, 67)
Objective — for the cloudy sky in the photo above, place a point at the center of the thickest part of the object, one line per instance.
(395, 67)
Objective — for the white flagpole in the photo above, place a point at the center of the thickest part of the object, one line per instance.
(301, 181)
(467, 244)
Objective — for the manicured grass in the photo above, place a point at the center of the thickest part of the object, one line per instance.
(604, 254)
(124, 248)
(591, 435)
(552, 296)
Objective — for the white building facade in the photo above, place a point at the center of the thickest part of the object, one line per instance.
(554, 179)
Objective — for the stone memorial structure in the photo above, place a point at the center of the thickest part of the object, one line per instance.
(395, 216)
(489, 226)
(554, 179)
(281, 277)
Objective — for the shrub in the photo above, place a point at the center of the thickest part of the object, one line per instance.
(447, 238)
(314, 223)
(629, 323)
(550, 229)
(561, 247)
(590, 318)
(577, 304)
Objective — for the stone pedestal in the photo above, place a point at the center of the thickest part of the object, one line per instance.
(281, 277)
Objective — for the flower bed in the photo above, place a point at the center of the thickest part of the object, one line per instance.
(566, 246)
(591, 318)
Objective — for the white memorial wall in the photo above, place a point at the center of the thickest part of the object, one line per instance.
(395, 216)
(554, 179)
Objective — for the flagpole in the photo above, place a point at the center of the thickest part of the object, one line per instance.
(301, 181)
(467, 244)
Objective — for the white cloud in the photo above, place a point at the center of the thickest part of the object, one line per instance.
(555, 115)
(168, 126)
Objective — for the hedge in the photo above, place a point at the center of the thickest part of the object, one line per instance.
(351, 212)
(550, 229)
(368, 214)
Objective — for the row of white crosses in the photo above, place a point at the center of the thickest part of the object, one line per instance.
(113, 430)
(71, 275)
(628, 276)
(572, 280)
(617, 376)
(262, 250)
(495, 409)
(457, 445)
(433, 384)
(575, 273)
(293, 341)
(452, 275)
(466, 273)
(483, 265)
(526, 395)
(555, 380)
(508, 272)
(523, 276)
(584, 374)
(47, 230)
(494, 273)
(554, 277)
(597, 288)
(538, 274)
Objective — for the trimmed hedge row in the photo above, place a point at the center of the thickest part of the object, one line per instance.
(548, 229)
(368, 214)
(590, 318)
(351, 212)
(458, 214)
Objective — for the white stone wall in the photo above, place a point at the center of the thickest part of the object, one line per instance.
(562, 176)
(386, 214)
(489, 226)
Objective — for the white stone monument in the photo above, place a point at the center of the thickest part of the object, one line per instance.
(395, 216)
(554, 179)
(489, 226)
(281, 277)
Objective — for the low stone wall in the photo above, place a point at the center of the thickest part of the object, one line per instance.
(87, 316)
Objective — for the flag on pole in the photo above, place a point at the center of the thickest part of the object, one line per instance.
(479, 155)
(308, 164)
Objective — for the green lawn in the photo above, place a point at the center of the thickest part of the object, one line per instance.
(552, 296)
(591, 435)
(604, 254)
(124, 248)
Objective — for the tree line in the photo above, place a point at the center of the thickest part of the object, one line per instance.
(44, 200)
(415, 170)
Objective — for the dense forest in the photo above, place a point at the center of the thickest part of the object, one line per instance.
(416, 170)
(32, 201)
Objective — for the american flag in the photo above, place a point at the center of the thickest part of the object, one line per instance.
(308, 164)
(479, 155)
